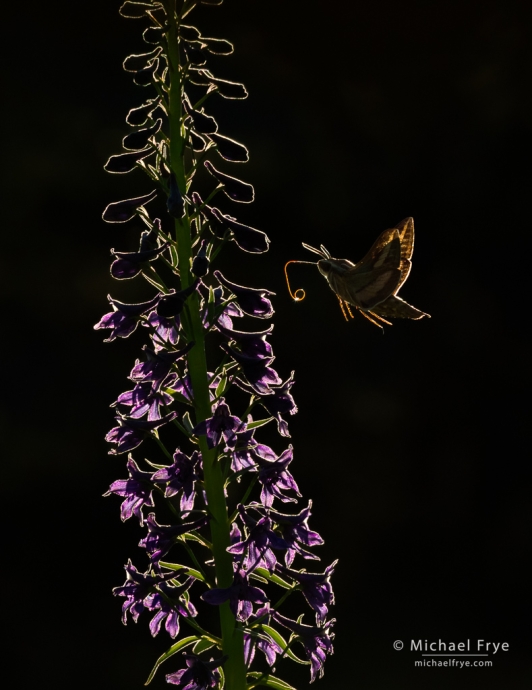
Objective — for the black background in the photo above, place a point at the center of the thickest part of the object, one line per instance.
(414, 445)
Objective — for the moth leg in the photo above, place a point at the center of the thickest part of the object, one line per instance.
(365, 314)
(349, 309)
(342, 308)
(379, 318)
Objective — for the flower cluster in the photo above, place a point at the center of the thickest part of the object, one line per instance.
(211, 506)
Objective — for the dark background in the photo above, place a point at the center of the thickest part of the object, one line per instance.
(414, 445)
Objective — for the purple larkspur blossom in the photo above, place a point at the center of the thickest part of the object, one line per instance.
(181, 476)
(252, 345)
(130, 433)
(236, 189)
(137, 490)
(274, 476)
(260, 639)
(138, 590)
(316, 641)
(199, 675)
(258, 375)
(241, 596)
(171, 604)
(147, 397)
(122, 211)
(157, 365)
(252, 301)
(221, 425)
(281, 402)
(316, 588)
(257, 546)
(124, 318)
(223, 311)
(161, 538)
(166, 330)
(129, 264)
(295, 531)
(242, 456)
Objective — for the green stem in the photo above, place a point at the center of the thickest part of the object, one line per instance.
(232, 639)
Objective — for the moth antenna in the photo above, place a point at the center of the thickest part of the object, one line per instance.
(299, 294)
(319, 252)
(327, 254)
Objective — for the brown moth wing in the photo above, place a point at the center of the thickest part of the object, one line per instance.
(378, 250)
(367, 284)
(406, 235)
(397, 308)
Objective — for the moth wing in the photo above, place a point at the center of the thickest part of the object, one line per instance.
(373, 279)
(379, 250)
(406, 236)
(397, 308)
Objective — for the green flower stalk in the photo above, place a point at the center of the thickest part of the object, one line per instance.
(227, 552)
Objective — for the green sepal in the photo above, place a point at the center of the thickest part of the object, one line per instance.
(190, 572)
(185, 642)
(277, 637)
(269, 681)
(187, 422)
(210, 307)
(220, 388)
(259, 422)
(203, 645)
(273, 578)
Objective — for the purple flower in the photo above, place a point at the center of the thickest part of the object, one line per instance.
(281, 402)
(161, 538)
(253, 302)
(157, 365)
(241, 596)
(146, 397)
(129, 264)
(138, 590)
(253, 345)
(316, 588)
(122, 211)
(246, 238)
(316, 640)
(124, 318)
(258, 375)
(221, 425)
(137, 491)
(166, 330)
(131, 432)
(200, 675)
(232, 186)
(260, 639)
(170, 604)
(275, 477)
(295, 531)
(259, 543)
(180, 477)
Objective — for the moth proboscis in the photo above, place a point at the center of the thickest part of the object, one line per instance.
(372, 284)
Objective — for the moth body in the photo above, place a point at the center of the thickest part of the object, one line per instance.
(372, 284)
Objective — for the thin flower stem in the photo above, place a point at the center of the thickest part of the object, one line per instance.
(232, 639)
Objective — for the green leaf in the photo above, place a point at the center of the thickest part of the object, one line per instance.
(202, 646)
(187, 422)
(221, 386)
(188, 571)
(185, 642)
(259, 422)
(271, 577)
(277, 637)
(269, 681)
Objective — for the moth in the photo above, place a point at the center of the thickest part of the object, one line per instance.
(372, 284)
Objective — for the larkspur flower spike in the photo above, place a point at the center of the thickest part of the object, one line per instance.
(207, 494)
